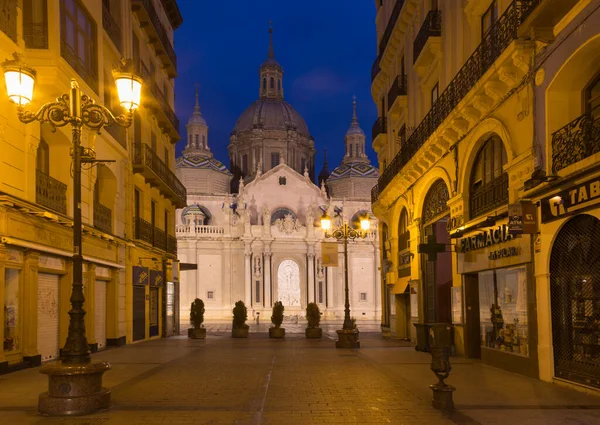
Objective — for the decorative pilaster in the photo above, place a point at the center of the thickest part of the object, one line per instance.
(311, 275)
(247, 276)
(267, 274)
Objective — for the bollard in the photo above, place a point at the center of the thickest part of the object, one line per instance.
(440, 365)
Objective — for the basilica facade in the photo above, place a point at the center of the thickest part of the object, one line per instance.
(252, 232)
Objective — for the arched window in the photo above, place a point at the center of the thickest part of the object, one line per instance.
(190, 139)
(280, 213)
(351, 150)
(592, 98)
(356, 150)
(403, 233)
(488, 187)
(204, 141)
(264, 84)
(43, 157)
(197, 140)
(245, 165)
(272, 83)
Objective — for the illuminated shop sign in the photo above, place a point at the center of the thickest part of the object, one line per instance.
(574, 199)
(489, 237)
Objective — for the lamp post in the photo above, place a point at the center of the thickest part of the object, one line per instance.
(74, 383)
(348, 335)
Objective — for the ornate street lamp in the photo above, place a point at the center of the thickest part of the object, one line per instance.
(348, 335)
(74, 383)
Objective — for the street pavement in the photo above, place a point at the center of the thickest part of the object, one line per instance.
(222, 380)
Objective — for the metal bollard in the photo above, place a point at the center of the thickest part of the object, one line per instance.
(440, 365)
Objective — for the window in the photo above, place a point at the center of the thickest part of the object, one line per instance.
(197, 141)
(356, 150)
(403, 233)
(264, 85)
(272, 83)
(503, 310)
(489, 18)
(320, 297)
(35, 24)
(245, 164)
(275, 160)
(363, 296)
(278, 85)
(302, 164)
(351, 149)
(280, 213)
(43, 157)
(489, 182)
(592, 98)
(282, 181)
(257, 286)
(78, 40)
(204, 141)
(190, 139)
(210, 295)
(153, 141)
(435, 93)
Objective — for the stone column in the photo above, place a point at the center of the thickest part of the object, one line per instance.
(247, 276)
(90, 306)
(330, 280)
(267, 275)
(30, 304)
(311, 275)
(2, 286)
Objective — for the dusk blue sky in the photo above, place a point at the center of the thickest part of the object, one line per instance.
(326, 49)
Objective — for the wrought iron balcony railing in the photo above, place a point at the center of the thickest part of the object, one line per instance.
(156, 172)
(143, 230)
(374, 194)
(390, 26)
(171, 244)
(87, 69)
(50, 193)
(119, 134)
(576, 141)
(376, 68)
(35, 35)
(432, 27)
(111, 27)
(8, 18)
(504, 32)
(102, 217)
(399, 88)
(379, 127)
(489, 196)
(166, 107)
(160, 239)
(146, 12)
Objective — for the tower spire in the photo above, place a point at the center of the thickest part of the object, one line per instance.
(197, 107)
(354, 118)
(271, 51)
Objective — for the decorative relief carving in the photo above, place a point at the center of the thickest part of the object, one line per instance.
(51, 262)
(320, 269)
(436, 201)
(288, 225)
(257, 266)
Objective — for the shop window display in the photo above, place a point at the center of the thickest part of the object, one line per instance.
(503, 310)
(11, 309)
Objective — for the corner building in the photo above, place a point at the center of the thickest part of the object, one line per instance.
(261, 242)
(458, 140)
(128, 204)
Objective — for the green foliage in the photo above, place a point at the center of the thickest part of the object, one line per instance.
(313, 315)
(197, 313)
(277, 317)
(240, 315)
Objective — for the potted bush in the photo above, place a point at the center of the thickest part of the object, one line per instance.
(313, 316)
(277, 320)
(196, 318)
(240, 315)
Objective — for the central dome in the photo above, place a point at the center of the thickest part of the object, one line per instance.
(271, 114)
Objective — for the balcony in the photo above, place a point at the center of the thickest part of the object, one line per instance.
(390, 26)
(374, 194)
(8, 18)
(379, 127)
(399, 88)
(50, 192)
(150, 22)
(111, 27)
(102, 217)
(118, 133)
(172, 245)
(539, 25)
(143, 230)
(501, 36)
(35, 34)
(376, 68)
(489, 196)
(203, 231)
(155, 100)
(576, 141)
(160, 239)
(432, 27)
(157, 174)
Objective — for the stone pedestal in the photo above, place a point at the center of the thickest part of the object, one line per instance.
(314, 333)
(199, 333)
(347, 338)
(442, 396)
(276, 332)
(74, 389)
(239, 332)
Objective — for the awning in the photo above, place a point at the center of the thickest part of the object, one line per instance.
(401, 285)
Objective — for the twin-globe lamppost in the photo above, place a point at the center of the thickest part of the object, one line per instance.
(74, 383)
(348, 335)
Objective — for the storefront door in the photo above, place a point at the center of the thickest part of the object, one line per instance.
(100, 310)
(575, 300)
(139, 313)
(438, 276)
(153, 311)
(48, 316)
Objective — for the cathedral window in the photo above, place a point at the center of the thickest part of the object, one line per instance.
(356, 150)
(350, 154)
(204, 141)
(274, 159)
(280, 213)
(197, 141)
(272, 83)
(210, 295)
(190, 137)
(245, 164)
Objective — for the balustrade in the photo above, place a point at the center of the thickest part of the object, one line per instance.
(102, 217)
(576, 141)
(50, 193)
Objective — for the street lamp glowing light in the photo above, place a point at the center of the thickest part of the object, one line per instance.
(19, 83)
(365, 223)
(129, 88)
(325, 222)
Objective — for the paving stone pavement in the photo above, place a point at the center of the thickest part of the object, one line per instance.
(296, 381)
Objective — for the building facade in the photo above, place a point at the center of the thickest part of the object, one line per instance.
(128, 199)
(463, 133)
(261, 243)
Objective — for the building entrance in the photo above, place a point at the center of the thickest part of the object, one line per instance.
(575, 301)
(288, 283)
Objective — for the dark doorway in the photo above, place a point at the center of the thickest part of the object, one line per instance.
(153, 312)
(139, 313)
(438, 277)
(472, 323)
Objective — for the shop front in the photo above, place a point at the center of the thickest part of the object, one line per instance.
(499, 298)
(141, 277)
(156, 283)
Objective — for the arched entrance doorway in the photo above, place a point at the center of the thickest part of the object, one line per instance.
(436, 267)
(575, 300)
(288, 283)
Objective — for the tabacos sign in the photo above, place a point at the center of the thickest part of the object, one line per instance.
(574, 199)
(487, 238)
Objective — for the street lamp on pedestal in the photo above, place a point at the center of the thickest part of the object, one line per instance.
(74, 383)
(348, 335)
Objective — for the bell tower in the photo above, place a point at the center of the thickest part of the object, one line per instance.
(271, 74)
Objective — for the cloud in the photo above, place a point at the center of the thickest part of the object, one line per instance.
(319, 82)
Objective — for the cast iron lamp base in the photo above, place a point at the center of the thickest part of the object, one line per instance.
(347, 338)
(442, 396)
(74, 389)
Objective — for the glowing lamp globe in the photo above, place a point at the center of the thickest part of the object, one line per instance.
(325, 222)
(129, 88)
(365, 223)
(19, 84)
